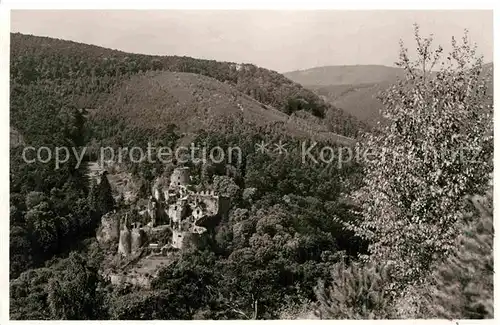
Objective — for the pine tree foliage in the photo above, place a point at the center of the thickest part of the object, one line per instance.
(464, 281)
(356, 292)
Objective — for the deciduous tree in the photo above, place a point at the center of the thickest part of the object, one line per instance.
(434, 147)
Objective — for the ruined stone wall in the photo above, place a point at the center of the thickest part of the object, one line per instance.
(178, 239)
(180, 176)
(170, 196)
(138, 239)
(206, 199)
(152, 209)
(159, 186)
(176, 212)
(109, 230)
(211, 204)
(124, 244)
(157, 194)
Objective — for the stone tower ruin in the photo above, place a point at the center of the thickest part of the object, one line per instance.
(137, 239)
(132, 237)
(180, 177)
(124, 243)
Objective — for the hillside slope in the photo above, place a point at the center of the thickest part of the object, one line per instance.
(157, 99)
(89, 73)
(360, 100)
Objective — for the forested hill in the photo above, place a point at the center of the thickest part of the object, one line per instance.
(88, 73)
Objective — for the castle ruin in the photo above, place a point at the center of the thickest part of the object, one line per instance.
(189, 214)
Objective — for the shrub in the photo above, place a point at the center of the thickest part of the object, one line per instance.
(463, 282)
(355, 292)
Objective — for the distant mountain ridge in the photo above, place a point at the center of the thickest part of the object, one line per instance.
(344, 75)
(354, 88)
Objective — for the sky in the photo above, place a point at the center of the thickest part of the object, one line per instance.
(277, 40)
